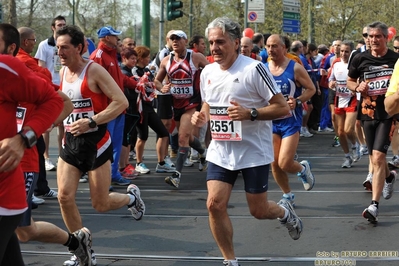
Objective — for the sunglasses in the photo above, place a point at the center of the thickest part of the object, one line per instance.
(174, 37)
(365, 35)
(396, 48)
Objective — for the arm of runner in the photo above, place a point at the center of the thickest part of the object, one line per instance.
(161, 75)
(302, 77)
(101, 81)
(200, 118)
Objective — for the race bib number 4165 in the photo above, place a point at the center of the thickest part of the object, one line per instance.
(222, 127)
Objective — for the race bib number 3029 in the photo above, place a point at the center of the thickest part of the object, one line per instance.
(222, 127)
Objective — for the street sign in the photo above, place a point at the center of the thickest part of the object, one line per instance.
(291, 22)
(292, 29)
(256, 4)
(252, 16)
(293, 9)
(256, 16)
(291, 3)
(291, 15)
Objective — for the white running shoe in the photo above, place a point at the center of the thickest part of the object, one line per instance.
(394, 162)
(188, 163)
(305, 133)
(307, 178)
(387, 191)
(292, 222)
(356, 155)
(83, 252)
(348, 162)
(173, 180)
(371, 213)
(74, 261)
(169, 161)
(142, 168)
(138, 207)
(166, 168)
(364, 150)
(37, 201)
(367, 184)
(49, 165)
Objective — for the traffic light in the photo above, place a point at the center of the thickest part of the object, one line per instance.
(172, 9)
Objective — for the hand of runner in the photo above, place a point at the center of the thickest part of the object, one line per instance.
(11, 152)
(198, 119)
(237, 112)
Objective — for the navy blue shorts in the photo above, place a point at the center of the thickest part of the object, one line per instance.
(256, 179)
(30, 185)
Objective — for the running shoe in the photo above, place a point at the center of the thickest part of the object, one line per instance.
(49, 165)
(37, 201)
(166, 168)
(356, 155)
(84, 178)
(51, 194)
(120, 181)
(203, 165)
(364, 150)
(336, 142)
(371, 213)
(129, 172)
(83, 252)
(173, 180)
(387, 191)
(292, 222)
(307, 177)
(305, 133)
(169, 161)
(289, 199)
(348, 162)
(74, 261)
(137, 208)
(229, 263)
(367, 184)
(188, 163)
(142, 168)
(394, 162)
(194, 157)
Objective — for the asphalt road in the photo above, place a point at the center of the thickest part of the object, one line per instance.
(174, 230)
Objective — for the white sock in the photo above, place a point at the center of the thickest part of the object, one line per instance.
(132, 198)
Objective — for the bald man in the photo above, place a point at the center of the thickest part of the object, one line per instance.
(128, 43)
(246, 48)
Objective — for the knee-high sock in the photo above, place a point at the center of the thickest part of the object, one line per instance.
(196, 145)
(181, 158)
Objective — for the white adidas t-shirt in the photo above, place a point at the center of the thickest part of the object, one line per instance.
(251, 85)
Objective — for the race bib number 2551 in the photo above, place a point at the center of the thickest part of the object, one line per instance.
(222, 127)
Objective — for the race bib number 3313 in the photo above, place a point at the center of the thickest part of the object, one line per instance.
(222, 127)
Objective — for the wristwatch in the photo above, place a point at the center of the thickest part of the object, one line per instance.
(92, 123)
(29, 137)
(254, 114)
(298, 102)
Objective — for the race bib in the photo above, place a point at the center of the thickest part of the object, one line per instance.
(182, 88)
(222, 127)
(21, 113)
(378, 81)
(342, 90)
(83, 108)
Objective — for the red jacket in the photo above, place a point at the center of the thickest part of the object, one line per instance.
(18, 84)
(106, 57)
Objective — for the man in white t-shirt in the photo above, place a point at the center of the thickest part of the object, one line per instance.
(240, 98)
(48, 57)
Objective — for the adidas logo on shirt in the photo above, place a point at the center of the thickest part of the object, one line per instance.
(236, 80)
